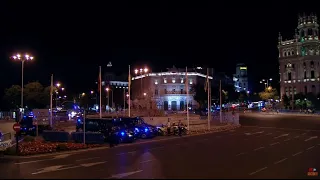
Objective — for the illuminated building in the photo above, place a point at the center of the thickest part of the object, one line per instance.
(168, 89)
(299, 59)
(241, 78)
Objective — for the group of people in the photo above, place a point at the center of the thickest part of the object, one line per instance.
(169, 126)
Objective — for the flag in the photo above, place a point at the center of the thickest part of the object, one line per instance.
(207, 81)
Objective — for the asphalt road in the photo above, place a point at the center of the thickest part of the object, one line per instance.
(247, 152)
(293, 121)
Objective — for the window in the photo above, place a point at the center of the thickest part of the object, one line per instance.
(156, 82)
(165, 91)
(173, 91)
(304, 65)
(293, 66)
(289, 76)
(295, 90)
(312, 64)
(156, 91)
(305, 89)
(181, 80)
(165, 80)
(310, 32)
(305, 74)
(173, 80)
(181, 91)
(290, 90)
(312, 74)
(313, 88)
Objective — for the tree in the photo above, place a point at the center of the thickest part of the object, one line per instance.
(34, 93)
(255, 97)
(13, 96)
(243, 96)
(199, 94)
(269, 93)
(285, 101)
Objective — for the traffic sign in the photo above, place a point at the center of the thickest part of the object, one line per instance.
(16, 127)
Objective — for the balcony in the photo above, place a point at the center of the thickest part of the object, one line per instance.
(177, 92)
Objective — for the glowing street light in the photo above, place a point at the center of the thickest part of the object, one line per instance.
(108, 89)
(141, 71)
(22, 59)
(266, 82)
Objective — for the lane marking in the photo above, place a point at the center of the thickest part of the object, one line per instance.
(258, 171)
(146, 161)
(131, 152)
(258, 148)
(297, 153)
(310, 148)
(87, 159)
(241, 154)
(41, 160)
(283, 135)
(122, 175)
(280, 161)
(310, 138)
(287, 140)
(274, 143)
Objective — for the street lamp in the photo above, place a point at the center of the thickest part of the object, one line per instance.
(141, 71)
(58, 85)
(24, 58)
(266, 82)
(108, 89)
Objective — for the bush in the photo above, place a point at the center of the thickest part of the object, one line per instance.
(62, 147)
(28, 139)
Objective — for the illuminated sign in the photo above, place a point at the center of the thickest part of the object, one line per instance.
(312, 172)
(243, 68)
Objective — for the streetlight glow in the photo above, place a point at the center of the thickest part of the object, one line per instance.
(91, 92)
(107, 89)
(58, 84)
(136, 71)
(145, 70)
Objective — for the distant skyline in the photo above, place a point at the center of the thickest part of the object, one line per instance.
(72, 43)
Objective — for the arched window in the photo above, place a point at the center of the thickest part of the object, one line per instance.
(312, 64)
(292, 52)
(289, 76)
(304, 65)
(313, 89)
(312, 74)
(302, 33)
(305, 89)
(310, 33)
(305, 75)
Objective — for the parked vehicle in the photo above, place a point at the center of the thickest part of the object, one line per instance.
(141, 129)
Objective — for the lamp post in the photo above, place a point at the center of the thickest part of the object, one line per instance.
(24, 58)
(108, 89)
(141, 72)
(266, 82)
(58, 85)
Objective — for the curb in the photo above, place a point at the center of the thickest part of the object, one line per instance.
(216, 130)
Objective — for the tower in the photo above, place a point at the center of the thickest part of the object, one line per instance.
(299, 59)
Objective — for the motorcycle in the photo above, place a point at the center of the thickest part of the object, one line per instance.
(161, 130)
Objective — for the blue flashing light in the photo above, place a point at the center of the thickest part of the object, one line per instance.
(24, 116)
(146, 129)
(136, 129)
(79, 120)
(25, 128)
(122, 133)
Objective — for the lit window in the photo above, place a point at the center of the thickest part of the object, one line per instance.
(156, 82)
(190, 81)
(181, 80)
(165, 80)
(173, 80)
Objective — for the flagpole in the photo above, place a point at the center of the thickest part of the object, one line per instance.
(100, 85)
(51, 95)
(208, 89)
(187, 99)
(129, 92)
(220, 103)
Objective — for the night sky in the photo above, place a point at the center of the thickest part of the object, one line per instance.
(72, 40)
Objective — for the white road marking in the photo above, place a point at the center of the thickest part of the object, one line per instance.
(146, 161)
(283, 135)
(258, 148)
(280, 161)
(59, 167)
(87, 159)
(310, 138)
(248, 134)
(310, 148)
(241, 154)
(297, 153)
(258, 171)
(274, 143)
(61, 156)
(122, 175)
(287, 140)
(131, 152)
(41, 160)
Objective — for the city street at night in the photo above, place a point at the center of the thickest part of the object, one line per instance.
(247, 152)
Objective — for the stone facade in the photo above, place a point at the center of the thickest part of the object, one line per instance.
(168, 89)
(299, 59)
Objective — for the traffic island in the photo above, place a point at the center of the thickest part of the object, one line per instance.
(220, 128)
(31, 146)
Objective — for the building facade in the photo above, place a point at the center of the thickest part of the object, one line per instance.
(299, 59)
(168, 89)
(240, 78)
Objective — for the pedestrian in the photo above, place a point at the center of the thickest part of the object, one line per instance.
(111, 137)
(180, 128)
(168, 127)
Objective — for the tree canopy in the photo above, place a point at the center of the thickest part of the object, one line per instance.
(269, 93)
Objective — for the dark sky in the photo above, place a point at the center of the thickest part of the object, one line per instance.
(72, 40)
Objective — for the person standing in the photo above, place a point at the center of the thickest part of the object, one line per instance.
(168, 127)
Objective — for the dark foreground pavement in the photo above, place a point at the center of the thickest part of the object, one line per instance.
(247, 152)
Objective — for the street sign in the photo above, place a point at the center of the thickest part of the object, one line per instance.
(16, 127)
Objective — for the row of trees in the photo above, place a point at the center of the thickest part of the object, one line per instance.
(302, 101)
(35, 96)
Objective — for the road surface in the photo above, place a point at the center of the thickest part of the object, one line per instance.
(247, 152)
(294, 121)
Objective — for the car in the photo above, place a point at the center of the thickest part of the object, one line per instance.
(141, 129)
